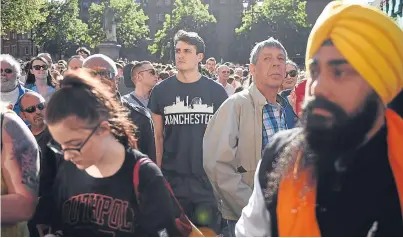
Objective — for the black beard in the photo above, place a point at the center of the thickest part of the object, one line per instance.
(330, 139)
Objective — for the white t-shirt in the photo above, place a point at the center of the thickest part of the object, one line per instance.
(229, 89)
(10, 97)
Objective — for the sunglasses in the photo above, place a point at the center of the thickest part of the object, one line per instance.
(39, 67)
(151, 71)
(292, 73)
(107, 74)
(8, 71)
(32, 109)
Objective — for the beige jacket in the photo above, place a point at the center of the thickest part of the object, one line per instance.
(232, 141)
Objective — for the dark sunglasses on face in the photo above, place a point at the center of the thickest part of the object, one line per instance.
(8, 71)
(292, 73)
(32, 109)
(151, 71)
(38, 67)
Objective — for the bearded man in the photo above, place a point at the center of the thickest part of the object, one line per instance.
(341, 173)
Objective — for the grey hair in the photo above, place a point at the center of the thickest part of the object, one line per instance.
(106, 59)
(290, 62)
(13, 62)
(271, 42)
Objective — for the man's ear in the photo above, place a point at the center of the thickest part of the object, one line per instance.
(22, 115)
(104, 129)
(200, 57)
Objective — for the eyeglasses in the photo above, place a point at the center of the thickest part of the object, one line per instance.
(33, 108)
(39, 67)
(151, 71)
(107, 74)
(76, 151)
(225, 72)
(292, 73)
(7, 71)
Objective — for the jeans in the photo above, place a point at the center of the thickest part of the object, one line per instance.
(229, 228)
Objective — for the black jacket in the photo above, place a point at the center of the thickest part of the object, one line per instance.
(145, 129)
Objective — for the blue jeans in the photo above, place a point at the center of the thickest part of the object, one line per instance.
(229, 228)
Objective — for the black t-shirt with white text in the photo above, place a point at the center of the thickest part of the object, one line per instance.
(186, 109)
(81, 205)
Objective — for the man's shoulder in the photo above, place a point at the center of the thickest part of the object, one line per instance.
(136, 109)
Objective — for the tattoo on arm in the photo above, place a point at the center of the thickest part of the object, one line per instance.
(25, 151)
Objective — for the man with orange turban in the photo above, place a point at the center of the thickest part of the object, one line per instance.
(341, 173)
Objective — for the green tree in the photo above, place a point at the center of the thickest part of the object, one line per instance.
(22, 15)
(285, 20)
(130, 22)
(189, 15)
(62, 29)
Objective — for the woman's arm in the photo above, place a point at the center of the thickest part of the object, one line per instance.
(20, 170)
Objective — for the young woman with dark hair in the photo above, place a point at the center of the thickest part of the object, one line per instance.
(94, 192)
(39, 78)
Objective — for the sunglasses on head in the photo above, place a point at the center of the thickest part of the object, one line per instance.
(107, 74)
(8, 71)
(292, 73)
(151, 71)
(32, 109)
(38, 67)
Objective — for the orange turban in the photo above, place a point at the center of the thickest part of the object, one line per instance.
(370, 41)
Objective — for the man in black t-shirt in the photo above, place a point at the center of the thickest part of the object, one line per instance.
(182, 106)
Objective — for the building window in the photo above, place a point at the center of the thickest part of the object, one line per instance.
(29, 35)
(13, 50)
(23, 36)
(160, 18)
(26, 50)
(14, 36)
(168, 2)
(160, 3)
(6, 50)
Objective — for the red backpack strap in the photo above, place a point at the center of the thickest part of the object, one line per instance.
(136, 175)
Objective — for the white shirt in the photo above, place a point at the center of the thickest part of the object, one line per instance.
(10, 97)
(255, 218)
(229, 89)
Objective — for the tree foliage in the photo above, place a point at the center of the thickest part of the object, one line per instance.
(285, 20)
(189, 15)
(22, 15)
(130, 22)
(62, 28)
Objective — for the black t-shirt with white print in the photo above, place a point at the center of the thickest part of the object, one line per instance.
(86, 206)
(186, 109)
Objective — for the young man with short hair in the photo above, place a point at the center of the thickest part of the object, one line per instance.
(181, 107)
(144, 77)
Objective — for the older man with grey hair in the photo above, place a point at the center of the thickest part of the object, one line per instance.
(242, 127)
(11, 88)
(105, 69)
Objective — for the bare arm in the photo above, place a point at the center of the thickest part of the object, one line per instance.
(20, 170)
(159, 137)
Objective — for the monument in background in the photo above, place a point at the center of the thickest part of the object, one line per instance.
(110, 46)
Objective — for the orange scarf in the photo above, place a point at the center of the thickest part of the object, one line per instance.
(296, 214)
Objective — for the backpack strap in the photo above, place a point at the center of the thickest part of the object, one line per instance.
(136, 175)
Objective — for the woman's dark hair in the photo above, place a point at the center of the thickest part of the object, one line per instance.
(92, 101)
(31, 77)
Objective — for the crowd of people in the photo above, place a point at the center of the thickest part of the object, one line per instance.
(96, 147)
